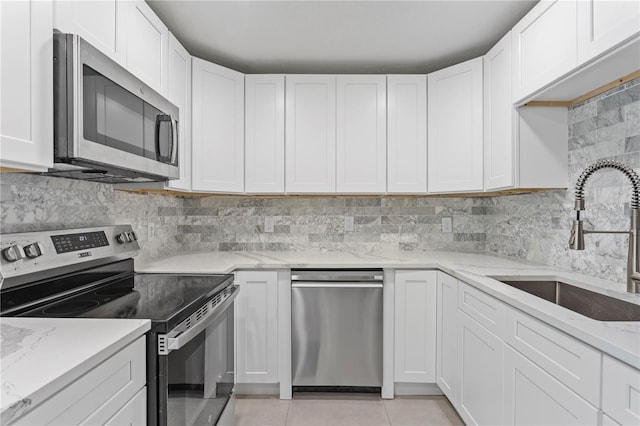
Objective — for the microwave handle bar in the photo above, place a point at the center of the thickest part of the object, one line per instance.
(160, 119)
(167, 343)
(174, 141)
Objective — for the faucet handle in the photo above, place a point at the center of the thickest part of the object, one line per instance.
(576, 240)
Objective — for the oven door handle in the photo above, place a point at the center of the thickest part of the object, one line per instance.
(177, 342)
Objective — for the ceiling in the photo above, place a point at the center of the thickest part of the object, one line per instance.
(339, 36)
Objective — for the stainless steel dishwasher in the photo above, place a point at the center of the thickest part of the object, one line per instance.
(336, 328)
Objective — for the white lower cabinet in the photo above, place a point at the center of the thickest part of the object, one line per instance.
(446, 336)
(534, 397)
(480, 398)
(257, 327)
(134, 413)
(112, 393)
(415, 326)
(620, 392)
(480, 348)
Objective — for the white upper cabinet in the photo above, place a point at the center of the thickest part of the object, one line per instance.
(147, 44)
(264, 133)
(406, 134)
(498, 117)
(310, 134)
(179, 92)
(455, 128)
(26, 91)
(98, 22)
(602, 24)
(361, 134)
(218, 128)
(518, 140)
(415, 326)
(544, 46)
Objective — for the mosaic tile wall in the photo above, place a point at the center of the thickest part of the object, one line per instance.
(536, 226)
(333, 223)
(34, 202)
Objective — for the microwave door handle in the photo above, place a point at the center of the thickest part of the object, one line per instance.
(160, 120)
(174, 141)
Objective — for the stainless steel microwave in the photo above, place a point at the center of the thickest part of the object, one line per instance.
(109, 126)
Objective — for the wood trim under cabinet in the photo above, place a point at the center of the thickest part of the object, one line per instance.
(612, 85)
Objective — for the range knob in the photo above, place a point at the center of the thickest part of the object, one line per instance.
(123, 238)
(13, 253)
(33, 250)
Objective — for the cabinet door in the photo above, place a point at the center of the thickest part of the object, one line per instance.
(361, 134)
(455, 128)
(99, 394)
(602, 24)
(481, 354)
(257, 327)
(415, 326)
(218, 128)
(544, 46)
(98, 22)
(447, 332)
(533, 397)
(498, 117)
(26, 94)
(147, 45)
(407, 134)
(179, 92)
(134, 413)
(310, 134)
(264, 133)
(620, 391)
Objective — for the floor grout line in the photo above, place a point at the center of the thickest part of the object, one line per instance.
(386, 412)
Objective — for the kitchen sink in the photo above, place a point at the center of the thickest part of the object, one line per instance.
(585, 302)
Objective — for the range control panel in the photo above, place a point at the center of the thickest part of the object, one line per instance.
(74, 242)
(25, 253)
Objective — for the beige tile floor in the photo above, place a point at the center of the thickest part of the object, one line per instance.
(344, 410)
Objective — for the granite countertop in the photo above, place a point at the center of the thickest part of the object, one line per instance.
(621, 340)
(40, 356)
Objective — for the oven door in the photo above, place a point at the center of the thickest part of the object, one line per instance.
(196, 380)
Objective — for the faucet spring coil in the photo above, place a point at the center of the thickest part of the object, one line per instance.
(610, 164)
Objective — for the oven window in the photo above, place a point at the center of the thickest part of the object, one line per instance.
(201, 375)
(115, 117)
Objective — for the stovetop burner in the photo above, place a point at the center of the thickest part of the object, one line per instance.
(69, 308)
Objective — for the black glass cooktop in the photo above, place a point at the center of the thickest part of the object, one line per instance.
(165, 299)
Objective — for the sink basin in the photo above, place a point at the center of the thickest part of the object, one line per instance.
(585, 302)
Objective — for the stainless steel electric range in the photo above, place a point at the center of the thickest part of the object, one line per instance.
(89, 273)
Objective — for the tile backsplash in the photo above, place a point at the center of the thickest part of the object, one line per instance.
(333, 223)
(533, 227)
(33, 202)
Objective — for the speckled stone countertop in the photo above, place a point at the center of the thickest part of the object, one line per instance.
(621, 340)
(40, 356)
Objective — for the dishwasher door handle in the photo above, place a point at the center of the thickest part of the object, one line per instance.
(310, 284)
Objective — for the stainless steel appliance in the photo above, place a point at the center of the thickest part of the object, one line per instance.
(336, 328)
(108, 125)
(88, 273)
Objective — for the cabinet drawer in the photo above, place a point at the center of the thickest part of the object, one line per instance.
(570, 361)
(533, 397)
(99, 394)
(485, 309)
(620, 391)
